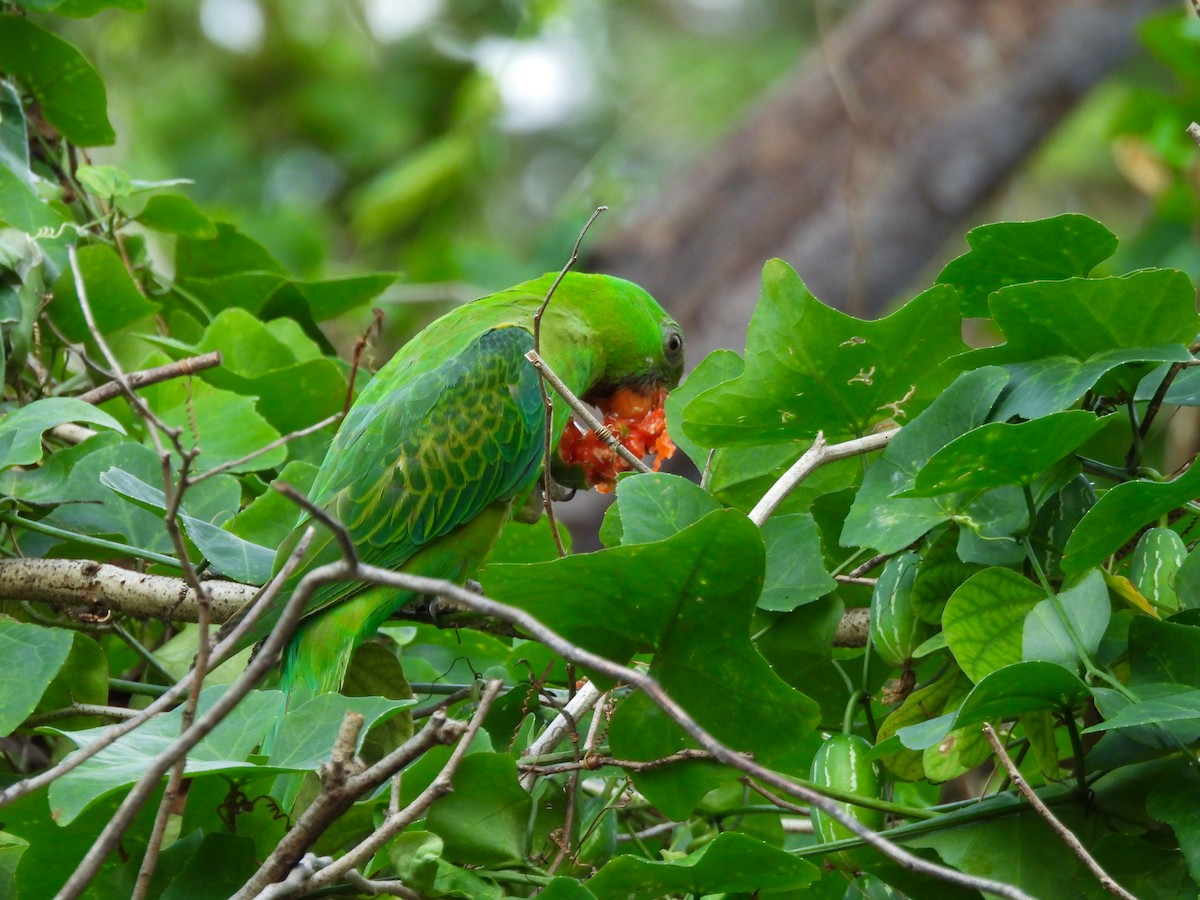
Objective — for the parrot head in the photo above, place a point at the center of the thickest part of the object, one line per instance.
(636, 354)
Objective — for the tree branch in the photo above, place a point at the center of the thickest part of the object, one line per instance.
(1106, 880)
(81, 582)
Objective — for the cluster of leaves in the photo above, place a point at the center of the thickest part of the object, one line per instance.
(1022, 562)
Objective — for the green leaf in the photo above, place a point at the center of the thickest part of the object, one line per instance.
(221, 864)
(810, 368)
(654, 506)
(21, 208)
(1000, 453)
(12, 848)
(984, 618)
(1163, 652)
(334, 296)
(730, 863)
(307, 733)
(1006, 253)
(176, 214)
(105, 181)
(1044, 386)
(1087, 609)
(113, 297)
(226, 426)
(795, 572)
(485, 819)
(1120, 513)
(888, 523)
(1083, 317)
(1021, 688)
(14, 135)
(715, 369)
(30, 658)
(229, 554)
(229, 253)
(690, 598)
(1173, 801)
(1181, 705)
(125, 761)
(1018, 849)
(21, 431)
(66, 86)
(82, 678)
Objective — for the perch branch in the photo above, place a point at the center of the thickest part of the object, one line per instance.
(547, 402)
(82, 582)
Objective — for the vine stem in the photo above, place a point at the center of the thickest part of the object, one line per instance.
(1089, 666)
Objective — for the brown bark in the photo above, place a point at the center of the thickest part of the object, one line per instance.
(871, 156)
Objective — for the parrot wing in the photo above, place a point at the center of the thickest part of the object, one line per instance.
(432, 453)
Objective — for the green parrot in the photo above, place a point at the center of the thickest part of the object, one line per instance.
(446, 443)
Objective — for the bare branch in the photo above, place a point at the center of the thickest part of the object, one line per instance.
(1106, 880)
(69, 583)
(819, 454)
(188, 366)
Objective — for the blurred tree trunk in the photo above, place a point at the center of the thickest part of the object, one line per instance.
(871, 156)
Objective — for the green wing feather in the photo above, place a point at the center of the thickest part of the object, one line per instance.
(418, 460)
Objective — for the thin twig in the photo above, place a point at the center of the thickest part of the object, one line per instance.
(365, 850)
(267, 448)
(585, 414)
(79, 709)
(187, 366)
(591, 762)
(1106, 880)
(1160, 394)
(349, 551)
(547, 402)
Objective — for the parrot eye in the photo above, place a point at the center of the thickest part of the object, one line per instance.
(673, 343)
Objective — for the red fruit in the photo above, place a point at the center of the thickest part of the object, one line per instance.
(637, 420)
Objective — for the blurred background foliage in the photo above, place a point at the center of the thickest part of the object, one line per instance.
(462, 142)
